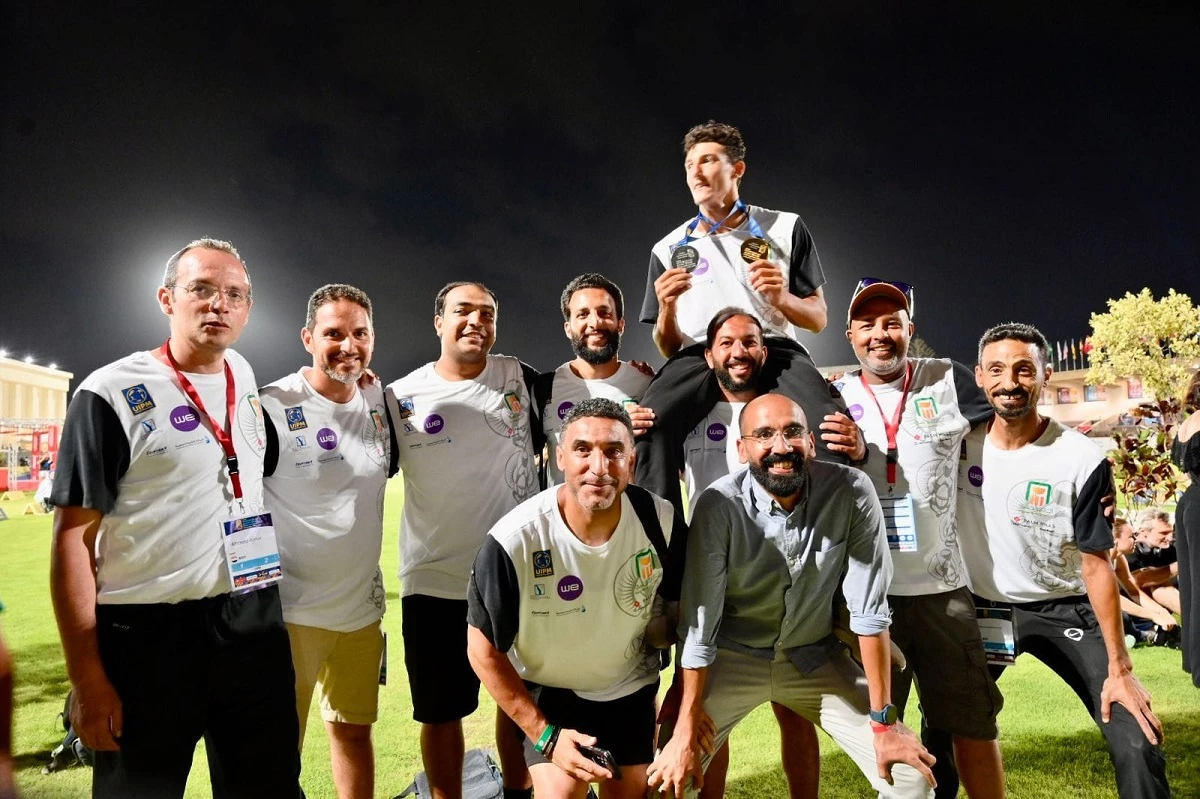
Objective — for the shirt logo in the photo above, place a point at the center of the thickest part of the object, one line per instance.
(295, 418)
(138, 398)
(406, 407)
(701, 268)
(1037, 494)
(434, 423)
(570, 588)
(855, 411)
(975, 476)
(926, 407)
(564, 409)
(543, 563)
(716, 431)
(301, 442)
(148, 426)
(513, 402)
(645, 564)
(539, 590)
(378, 420)
(327, 439)
(184, 418)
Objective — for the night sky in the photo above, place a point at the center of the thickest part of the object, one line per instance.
(1009, 161)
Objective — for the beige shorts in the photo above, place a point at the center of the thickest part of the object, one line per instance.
(345, 665)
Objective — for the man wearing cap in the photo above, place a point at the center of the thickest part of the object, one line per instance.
(163, 564)
(1034, 538)
(914, 413)
(329, 454)
(768, 548)
(730, 253)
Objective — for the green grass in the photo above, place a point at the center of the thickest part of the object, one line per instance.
(1051, 748)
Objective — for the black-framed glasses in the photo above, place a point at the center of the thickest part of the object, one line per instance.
(904, 288)
(793, 435)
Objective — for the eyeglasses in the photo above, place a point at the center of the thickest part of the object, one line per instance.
(903, 288)
(205, 292)
(793, 435)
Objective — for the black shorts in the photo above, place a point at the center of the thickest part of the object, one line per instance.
(440, 678)
(623, 726)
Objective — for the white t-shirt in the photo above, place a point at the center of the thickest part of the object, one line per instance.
(928, 444)
(1025, 515)
(710, 450)
(722, 279)
(467, 457)
(135, 449)
(626, 386)
(326, 492)
(579, 612)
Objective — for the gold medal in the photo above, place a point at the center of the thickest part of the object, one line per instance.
(755, 249)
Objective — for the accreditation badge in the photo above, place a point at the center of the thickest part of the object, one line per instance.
(899, 515)
(998, 633)
(251, 552)
(755, 249)
(685, 257)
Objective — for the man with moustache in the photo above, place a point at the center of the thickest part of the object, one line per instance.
(729, 253)
(462, 420)
(768, 548)
(594, 320)
(914, 413)
(1034, 538)
(329, 454)
(579, 568)
(158, 495)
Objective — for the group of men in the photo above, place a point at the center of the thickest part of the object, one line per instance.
(213, 535)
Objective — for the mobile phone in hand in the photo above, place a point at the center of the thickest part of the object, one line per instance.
(601, 757)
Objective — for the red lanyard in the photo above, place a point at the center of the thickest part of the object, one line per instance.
(893, 427)
(224, 436)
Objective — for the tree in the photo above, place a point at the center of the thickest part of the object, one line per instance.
(919, 348)
(1157, 341)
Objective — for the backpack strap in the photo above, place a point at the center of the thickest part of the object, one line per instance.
(540, 389)
(643, 505)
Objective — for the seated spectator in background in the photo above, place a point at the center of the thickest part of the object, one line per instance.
(1134, 601)
(45, 486)
(1153, 562)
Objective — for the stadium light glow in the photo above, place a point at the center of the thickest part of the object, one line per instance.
(3, 353)
(28, 359)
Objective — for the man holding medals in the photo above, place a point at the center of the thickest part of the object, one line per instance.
(730, 253)
(913, 414)
(164, 559)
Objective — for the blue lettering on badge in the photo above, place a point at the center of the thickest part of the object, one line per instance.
(139, 398)
(543, 564)
(295, 418)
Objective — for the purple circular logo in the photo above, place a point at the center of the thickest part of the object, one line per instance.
(326, 438)
(564, 409)
(855, 411)
(570, 588)
(701, 267)
(434, 423)
(716, 432)
(184, 418)
(975, 475)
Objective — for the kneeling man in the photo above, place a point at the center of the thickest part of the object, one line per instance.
(768, 549)
(566, 612)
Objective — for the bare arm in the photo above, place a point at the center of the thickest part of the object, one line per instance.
(678, 764)
(96, 708)
(1155, 576)
(808, 312)
(1121, 686)
(667, 288)
(897, 744)
(1141, 604)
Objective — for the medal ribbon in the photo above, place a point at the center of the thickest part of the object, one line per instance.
(224, 436)
(755, 228)
(892, 427)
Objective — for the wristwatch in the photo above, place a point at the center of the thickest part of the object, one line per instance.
(888, 715)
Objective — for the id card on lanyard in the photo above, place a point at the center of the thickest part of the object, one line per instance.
(248, 541)
(998, 633)
(898, 511)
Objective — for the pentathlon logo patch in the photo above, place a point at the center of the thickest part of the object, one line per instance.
(513, 402)
(926, 407)
(543, 564)
(1037, 494)
(139, 398)
(295, 418)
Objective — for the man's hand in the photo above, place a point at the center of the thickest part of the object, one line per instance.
(669, 285)
(1125, 689)
(767, 279)
(899, 745)
(566, 756)
(841, 434)
(367, 378)
(643, 367)
(641, 417)
(1165, 620)
(96, 714)
(678, 764)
